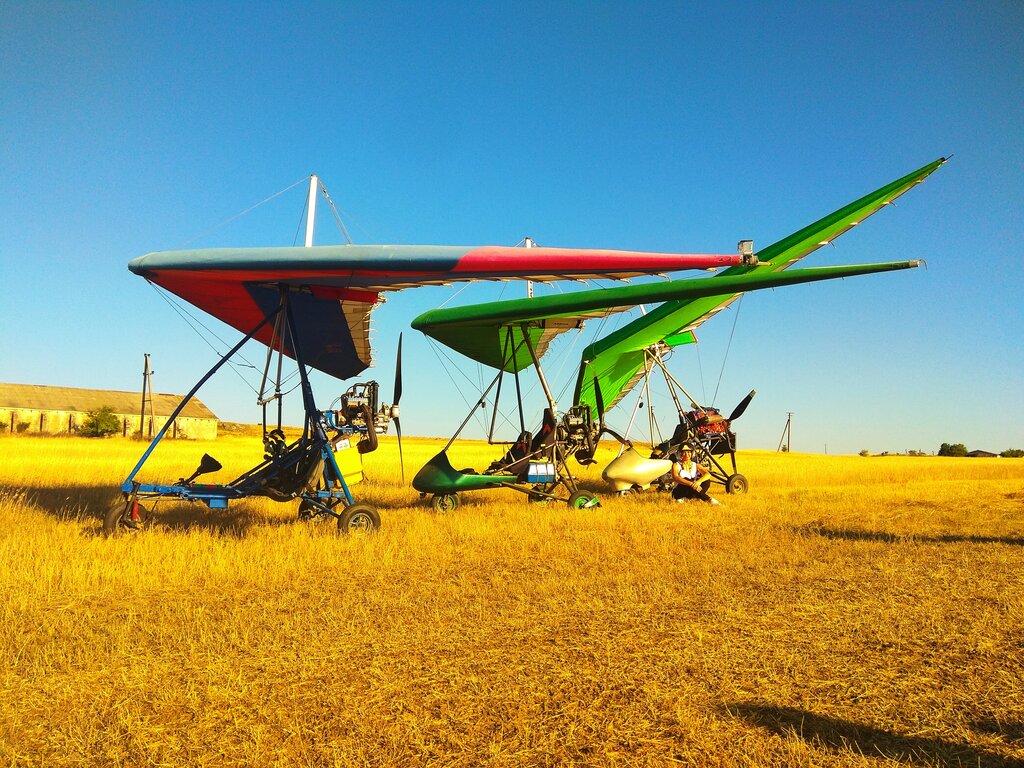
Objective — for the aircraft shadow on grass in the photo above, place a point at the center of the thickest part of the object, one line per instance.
(837, 735)
(86, 503)
(840, 534)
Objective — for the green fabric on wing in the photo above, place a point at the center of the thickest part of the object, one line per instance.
(477, 330)
(616, 359)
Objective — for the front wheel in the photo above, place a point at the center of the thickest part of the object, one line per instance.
(736, 484)
(359, 519)
(583, 500)
(445, 502)
(125, 515)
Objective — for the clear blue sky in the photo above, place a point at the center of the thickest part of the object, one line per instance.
(129, 128)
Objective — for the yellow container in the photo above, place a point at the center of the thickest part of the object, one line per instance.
(350, 462)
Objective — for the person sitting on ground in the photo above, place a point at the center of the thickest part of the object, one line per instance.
(692, 480)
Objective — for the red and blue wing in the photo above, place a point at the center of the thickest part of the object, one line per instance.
(334, 288)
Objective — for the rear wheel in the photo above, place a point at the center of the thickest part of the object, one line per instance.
(124, 515)
(736, 484)
(359, 520)
(445, 502)
(583, 500)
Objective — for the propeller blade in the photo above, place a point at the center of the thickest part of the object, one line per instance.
(398, 396)
(401, 458)
(742, 406)
(600, 402)
(398, 373)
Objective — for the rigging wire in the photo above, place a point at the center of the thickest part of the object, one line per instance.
(438, 351)
(334, 210)
(735, 319)
(191, 322)
(241, 214)
(464, 287)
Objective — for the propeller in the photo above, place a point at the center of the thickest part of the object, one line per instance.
(394, 408)
(599, 398)
(742, 406)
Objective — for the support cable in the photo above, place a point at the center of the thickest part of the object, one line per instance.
(241, 214)
(337, 218)
(728, 346)
(192, 322)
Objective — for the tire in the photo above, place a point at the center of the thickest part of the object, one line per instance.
(445, 502)
(736, 484)
(583, 500)
(119, 520)
(359, 520)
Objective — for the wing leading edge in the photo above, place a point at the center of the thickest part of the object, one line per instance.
(335, 288)
(493, 334)
(616, 360)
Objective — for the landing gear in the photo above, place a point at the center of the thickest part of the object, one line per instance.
(445, 502)
(359, 520)
(736, 484)
(582, 500)
(123, 516)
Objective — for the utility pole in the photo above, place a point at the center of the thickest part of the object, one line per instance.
(787, 434)
(147, 397)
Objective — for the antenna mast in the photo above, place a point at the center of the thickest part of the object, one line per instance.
(314, 182)
(528, 242)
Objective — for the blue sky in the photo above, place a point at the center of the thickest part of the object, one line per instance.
(130, 128)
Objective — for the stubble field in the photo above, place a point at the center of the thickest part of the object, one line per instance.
(848, 611)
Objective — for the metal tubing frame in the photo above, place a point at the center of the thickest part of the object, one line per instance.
(472, 410)
(128, 484)
(234, 489)
(524, 329)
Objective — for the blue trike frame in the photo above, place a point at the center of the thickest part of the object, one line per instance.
(311, 459)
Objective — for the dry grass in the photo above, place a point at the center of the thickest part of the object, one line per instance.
(849, 611)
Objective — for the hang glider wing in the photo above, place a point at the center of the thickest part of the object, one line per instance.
(334, 288)
(493, 334)
(616, 361)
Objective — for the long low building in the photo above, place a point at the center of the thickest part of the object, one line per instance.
(33, 408)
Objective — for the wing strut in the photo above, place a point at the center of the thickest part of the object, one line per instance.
(540, 371)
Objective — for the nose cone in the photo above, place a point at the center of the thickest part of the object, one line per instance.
(138, 264)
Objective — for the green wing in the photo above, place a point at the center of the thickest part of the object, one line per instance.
(494, 333)
(616, 360)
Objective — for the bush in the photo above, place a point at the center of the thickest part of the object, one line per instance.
(23, 426)
(952, 449)
(865, 452)
(100, 423)
(1012, 453)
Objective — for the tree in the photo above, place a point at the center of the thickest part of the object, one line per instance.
(952, 449)
(101, 422)
(1012, 453)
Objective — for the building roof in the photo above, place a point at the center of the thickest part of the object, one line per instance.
(42, 398)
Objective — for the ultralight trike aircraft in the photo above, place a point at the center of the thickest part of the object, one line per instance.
(512, 335)
(615, 364)
(313, 304)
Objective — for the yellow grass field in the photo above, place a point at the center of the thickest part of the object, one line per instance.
(849, 611)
